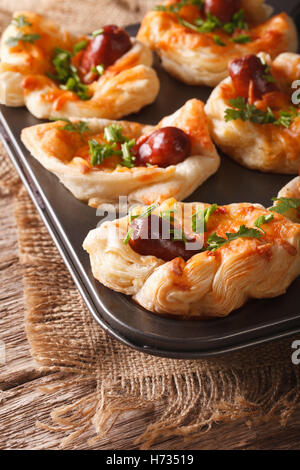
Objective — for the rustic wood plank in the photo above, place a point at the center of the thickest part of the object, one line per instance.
(19, 362)
(25, 404)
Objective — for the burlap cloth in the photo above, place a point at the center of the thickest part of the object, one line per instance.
(258, 383)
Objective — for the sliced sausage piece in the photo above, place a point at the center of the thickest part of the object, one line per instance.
(164, 147)
(105, 48)
(152, 236)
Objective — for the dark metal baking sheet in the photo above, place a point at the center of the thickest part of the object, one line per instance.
(69, 220)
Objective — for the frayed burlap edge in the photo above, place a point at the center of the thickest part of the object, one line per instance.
(192, 403)
(261, 384)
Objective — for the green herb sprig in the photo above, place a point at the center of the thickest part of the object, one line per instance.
(284, 204)
(241, 39)
(200, 219)
(14, 40)
(145, 213)
(97, 32)
(211, 23)
(99, 152)
(98, 69)
(79, 46)
(237, 22)
(263, 219)
(247, 112)
(177, 7)
(20, 21)
(67, 75)
(113, 135)
(215, 242)
(79, 127)
(219, 41)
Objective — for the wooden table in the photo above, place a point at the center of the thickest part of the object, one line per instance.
(21, 402)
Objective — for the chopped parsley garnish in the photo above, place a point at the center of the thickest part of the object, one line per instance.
(241, 39)
(67, 75)
(284, 204)
(99, 69)
(286, 118)
(62, 64)
(263, 219)
(247, 112)
(219, 41)
(99, 152)
(211, 23)
(127, 157)
(201, 218)
(14, 40)
(237, 22)
(113, 135)
(177, 7)
(214, 241)
(20, 21)
(79, 127)
(79, 46)
(146, 213)
(97, 32)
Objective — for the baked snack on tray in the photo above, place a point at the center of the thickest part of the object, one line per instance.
(234, 253)
(288, 200)
(254, 114)
(99, 160)
(196, 39)
(57, 74)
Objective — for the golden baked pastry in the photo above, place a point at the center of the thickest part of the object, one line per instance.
(197, 39)
(99, 160)
(252, 115)
(235, 253)
(288, 200)
(56, 74)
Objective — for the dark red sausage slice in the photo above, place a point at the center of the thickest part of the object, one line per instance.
(105, 48)
(164, 147)
(249, 69)
(151, 237)
(222, 9)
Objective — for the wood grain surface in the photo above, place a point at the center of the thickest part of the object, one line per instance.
(22, 404)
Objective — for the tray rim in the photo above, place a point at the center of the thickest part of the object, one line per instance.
(73, 265)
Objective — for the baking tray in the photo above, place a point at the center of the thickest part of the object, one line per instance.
(69, 220)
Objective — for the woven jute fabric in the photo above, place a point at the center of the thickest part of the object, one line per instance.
(260, 383)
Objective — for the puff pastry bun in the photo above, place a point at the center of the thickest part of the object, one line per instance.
(125, 86)
(292, 190)
(65, 154)
(202, 58)
(268, 147)
(210, 283)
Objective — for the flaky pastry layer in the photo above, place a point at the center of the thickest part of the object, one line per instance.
(210, 284)
(57, 149)
(263, 147)
(196, 59)
(125, 87)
